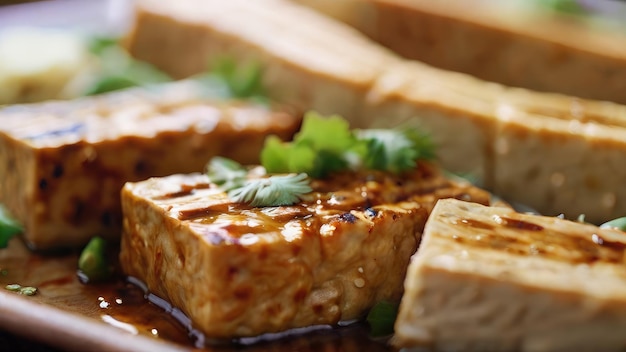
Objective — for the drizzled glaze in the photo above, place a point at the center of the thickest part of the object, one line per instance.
(212, 213)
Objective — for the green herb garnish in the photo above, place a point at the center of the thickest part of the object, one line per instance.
(9, 227)
(323, 145)
(229, 79)
(274, 190)
(119, 69)
(572, 7)
(93, 263)
(326, 144)
(97, 45)
(226, 173)
(619, 223)
(381, 318)
(394, 150)
(22, 290)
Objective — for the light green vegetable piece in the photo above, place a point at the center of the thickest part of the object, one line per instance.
(9, 227)
(93, 262)
(619, 223)
(381, 318)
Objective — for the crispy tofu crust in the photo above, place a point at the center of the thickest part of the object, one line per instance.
(488, 278)
(63, 164)
(241, 271)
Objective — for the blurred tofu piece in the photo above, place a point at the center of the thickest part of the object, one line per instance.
(63, 163)
(241, 271)
(520, 44)
(488, 278)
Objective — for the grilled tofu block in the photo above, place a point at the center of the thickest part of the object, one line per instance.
(488, 278)
(63, 164)
(241, 271)
(325, 65)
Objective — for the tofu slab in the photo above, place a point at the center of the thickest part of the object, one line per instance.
(525, 46)
(241, 271)
(63, 164)
(313, 62)
(488, 278)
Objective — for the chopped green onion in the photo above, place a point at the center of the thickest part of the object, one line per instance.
(9, 227)
(22, 290)
(93, 263)
(13, 287)
(381, 318)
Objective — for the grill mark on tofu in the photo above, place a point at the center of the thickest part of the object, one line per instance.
(523, 237)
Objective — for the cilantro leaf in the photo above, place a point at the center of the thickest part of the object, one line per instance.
(275, 190)
(326, 144)
(226, 173)
(9, 227)
(321, 147)
(119, 70)
(394, 150)
(280, 157)
(229, 79)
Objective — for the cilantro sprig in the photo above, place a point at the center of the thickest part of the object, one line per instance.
(226, 173)
(272, 191)
(326, 144)
(275, 190)
(119, 69)
(9, 227)
(226, 78)
(322, 146)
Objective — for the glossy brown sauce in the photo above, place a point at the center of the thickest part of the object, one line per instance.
(127, 305)
(533, 239)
